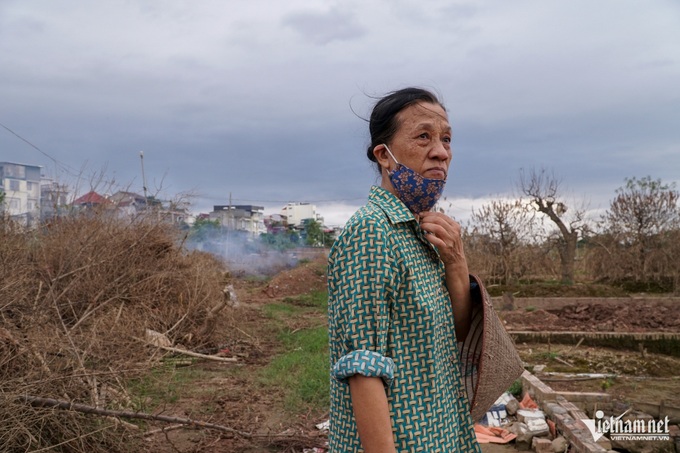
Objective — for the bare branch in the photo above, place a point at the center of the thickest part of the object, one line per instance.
(85, 409)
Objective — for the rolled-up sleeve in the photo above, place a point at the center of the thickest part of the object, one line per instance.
(365, 363)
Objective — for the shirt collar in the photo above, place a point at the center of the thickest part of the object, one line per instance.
(393, 207)
(397, 212)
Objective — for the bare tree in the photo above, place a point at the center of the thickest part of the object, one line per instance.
(542, 188)
(503, 226)
(641, 217)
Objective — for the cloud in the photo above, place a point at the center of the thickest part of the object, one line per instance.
(324, 27)
(256, 98)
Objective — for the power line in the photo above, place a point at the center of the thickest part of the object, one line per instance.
(57, 163)
(66, 168)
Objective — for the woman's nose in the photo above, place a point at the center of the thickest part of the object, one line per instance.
(440, 151)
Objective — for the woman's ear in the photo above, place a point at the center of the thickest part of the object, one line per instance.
(382, 156)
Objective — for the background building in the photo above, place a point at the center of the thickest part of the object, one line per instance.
(53, 199)
(247, 218)
(21, 186)
(296, 213)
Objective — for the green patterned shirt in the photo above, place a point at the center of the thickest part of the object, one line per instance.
(390, 317)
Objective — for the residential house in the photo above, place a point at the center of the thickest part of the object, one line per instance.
(21, 186)
(128, 203)
(275, 223)
(175, 213)
(91, 200)
(247, 218)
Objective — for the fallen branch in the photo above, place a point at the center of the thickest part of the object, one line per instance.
(191, 353)
(284, 438)
(564, 362)
(164, 429)
(199, 355)
(85, 409)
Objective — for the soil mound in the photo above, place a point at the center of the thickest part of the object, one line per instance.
(306, 277)
(530, 320)
(634, 317)
(620, 318)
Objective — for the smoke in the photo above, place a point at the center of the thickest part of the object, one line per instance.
(244, 254)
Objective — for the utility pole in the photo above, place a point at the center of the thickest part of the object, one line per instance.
(141, 157)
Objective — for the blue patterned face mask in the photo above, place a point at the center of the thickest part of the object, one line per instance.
(417, 192)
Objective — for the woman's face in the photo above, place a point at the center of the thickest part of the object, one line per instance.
(423, 140)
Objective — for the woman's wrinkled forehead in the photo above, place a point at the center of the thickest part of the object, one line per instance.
(424, 111)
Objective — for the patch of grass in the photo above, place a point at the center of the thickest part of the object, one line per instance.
(163, 385)
(256, 278)
(301, 373)
(607, 383)
(280, 311)
(316, 299)
(548, 355)
(516, 389)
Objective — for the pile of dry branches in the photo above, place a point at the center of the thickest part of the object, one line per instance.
(77, 298)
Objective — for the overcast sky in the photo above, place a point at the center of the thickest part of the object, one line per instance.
(264, 100)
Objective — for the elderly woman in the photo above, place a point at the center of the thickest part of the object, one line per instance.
(399, 295)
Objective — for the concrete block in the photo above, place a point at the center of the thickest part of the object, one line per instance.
(553, 408)
(568, 405)
(512, 406)
(538, 426)
(523, 439)
(524, 414)
(559, 444)
(541, 445)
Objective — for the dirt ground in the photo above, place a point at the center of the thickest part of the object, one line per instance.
(638, 317)
(228, 395)
(497, 448)
(626, 375)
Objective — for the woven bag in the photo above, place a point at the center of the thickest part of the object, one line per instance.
(489, 360)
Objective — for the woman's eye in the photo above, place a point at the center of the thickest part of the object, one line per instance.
(424, 135)
(446, 139)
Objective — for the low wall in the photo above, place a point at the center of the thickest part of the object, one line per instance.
(556, 303)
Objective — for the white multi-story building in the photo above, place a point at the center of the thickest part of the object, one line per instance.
(296, 213)
(21, 186)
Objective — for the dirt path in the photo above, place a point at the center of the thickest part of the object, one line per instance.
(231, 394)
